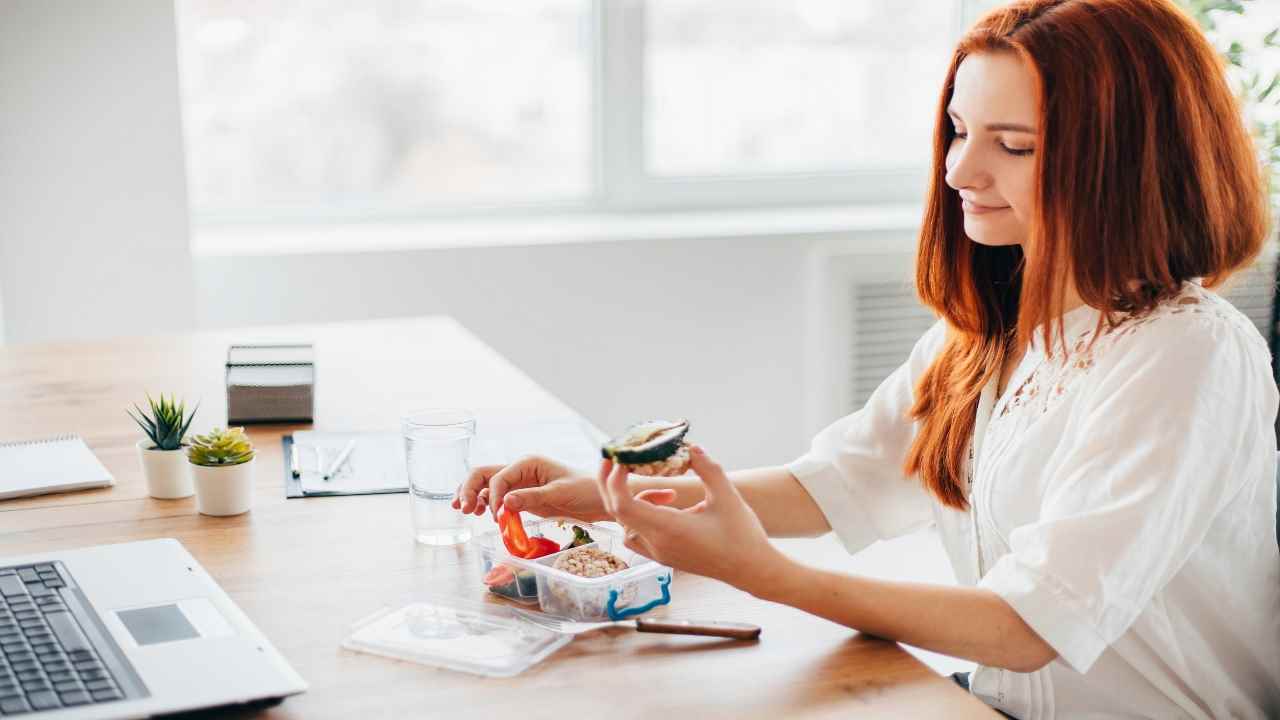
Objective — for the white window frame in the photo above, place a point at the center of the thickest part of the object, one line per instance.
(622, 183)
(618, 181)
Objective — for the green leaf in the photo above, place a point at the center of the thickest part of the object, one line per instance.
(187, 425)
(1275, 82)
(1235, 54)
(1269, 39)
(150, 433)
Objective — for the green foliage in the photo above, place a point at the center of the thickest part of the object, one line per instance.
(1258, 90)
(220, 447)
(166, 425)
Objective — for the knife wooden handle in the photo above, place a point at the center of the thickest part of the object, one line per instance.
(737, 631)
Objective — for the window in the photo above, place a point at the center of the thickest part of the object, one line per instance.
(405, 108)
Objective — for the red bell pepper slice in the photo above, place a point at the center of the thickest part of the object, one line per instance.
(518, 542)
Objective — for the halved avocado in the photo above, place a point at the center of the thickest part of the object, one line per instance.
(647, 442)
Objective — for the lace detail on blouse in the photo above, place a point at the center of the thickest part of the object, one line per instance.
(1055, 377)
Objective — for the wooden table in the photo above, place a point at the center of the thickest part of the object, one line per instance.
(304, 570)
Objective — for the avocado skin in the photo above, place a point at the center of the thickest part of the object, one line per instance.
(660, 451)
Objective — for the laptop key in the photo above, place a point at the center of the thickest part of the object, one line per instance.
(99, 684)
(44, 700)
(76, 697)
(29, 575)
(14, 706)
(105, 695)
(99, 674)
(68, 632)
(61, 677)
(12, 586)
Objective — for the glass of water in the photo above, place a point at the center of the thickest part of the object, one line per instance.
(437, 445)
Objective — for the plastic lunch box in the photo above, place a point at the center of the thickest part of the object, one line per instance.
(644, 585)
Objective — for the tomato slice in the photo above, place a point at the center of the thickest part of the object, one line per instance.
(498, 576)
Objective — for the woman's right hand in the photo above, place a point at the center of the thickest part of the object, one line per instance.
(541, 486)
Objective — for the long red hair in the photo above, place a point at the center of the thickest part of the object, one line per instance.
(1145, 173)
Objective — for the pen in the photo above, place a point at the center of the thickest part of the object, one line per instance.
(341, 459)
(293, 461)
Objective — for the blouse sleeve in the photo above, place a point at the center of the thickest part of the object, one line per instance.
(853, 469)
(1176, 422)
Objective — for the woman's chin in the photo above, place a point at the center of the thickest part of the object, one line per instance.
(983, 234)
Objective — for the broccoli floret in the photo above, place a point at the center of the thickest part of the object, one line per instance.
(580, 538)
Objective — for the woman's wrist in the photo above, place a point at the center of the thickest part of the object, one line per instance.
(772, 576)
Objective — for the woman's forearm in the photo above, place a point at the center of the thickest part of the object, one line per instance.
(970, 623)
(777, 498)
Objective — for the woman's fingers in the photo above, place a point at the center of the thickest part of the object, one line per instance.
(635, 542)
(521, 473)
(657, 496)
(465, 499)
(627, 510)
(606, 466)
(713, 477)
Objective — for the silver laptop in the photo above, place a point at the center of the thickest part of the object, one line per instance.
(123, 631)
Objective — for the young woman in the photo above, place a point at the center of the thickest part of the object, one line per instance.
(1089, 426)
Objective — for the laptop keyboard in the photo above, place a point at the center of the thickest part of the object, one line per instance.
(46, 661)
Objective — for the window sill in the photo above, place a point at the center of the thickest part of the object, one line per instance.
(566, 229)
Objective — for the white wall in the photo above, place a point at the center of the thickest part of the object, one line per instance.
(93, 221)
(711, 329)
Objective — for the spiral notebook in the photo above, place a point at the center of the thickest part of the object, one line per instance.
(56, 464)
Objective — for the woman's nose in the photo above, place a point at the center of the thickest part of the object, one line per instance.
(964, 168)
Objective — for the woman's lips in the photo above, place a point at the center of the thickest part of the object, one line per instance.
(975, 209)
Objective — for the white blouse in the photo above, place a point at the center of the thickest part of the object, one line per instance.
(1122, 501)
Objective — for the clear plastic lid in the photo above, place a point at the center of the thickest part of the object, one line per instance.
(472, 637)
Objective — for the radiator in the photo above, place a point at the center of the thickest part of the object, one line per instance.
(885, 319)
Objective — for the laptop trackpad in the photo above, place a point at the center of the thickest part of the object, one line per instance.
(181, 620)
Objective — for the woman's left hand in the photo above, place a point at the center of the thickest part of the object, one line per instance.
(719, 537)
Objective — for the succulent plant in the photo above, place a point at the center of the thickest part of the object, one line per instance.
(166, 425)
(220, 447)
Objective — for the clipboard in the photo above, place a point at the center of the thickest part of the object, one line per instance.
(293, 486)
(499, 441)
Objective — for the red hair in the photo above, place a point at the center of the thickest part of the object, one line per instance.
(1145, 172)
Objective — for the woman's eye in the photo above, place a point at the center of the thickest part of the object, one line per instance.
(1017, 151)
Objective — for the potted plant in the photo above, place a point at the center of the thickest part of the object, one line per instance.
(160, 452)
(222, 462)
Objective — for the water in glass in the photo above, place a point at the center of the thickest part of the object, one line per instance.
(437, 456)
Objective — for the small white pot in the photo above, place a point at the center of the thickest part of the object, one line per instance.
(225, 490)
(167, 472)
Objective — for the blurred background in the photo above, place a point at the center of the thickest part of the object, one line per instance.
(653, 207)
(699, 208)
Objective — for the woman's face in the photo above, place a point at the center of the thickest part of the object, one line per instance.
(991, 162)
